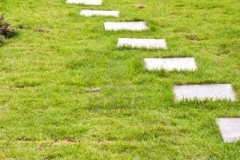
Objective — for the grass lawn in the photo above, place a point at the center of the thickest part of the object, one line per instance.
(46, 113)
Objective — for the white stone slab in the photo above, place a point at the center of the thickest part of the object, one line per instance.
(90, 13)
(131, 26)
(229, 128)
(203, 92)
(170, 64)
(142, 43)
(86, 2)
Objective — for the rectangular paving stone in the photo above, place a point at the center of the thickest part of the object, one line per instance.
(205, 91)
(131, 26)
(229, 128)
(142, 43)
(85, 2)
(90, 13)
(169, 64)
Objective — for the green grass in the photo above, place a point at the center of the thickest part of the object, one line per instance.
(46, 113)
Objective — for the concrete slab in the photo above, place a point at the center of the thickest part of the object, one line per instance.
(85, 2)
(204, 92)
(169, 64)
(229, 128)
(90, 13)
(131, 26)
(142, 43)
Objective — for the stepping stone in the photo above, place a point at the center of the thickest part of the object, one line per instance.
(131, 26)
(229, 128)
(170, 64)
(204, 92)
(142, 43)
(90, 13)
(86, 2)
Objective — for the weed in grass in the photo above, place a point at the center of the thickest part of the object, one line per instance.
(6, 31)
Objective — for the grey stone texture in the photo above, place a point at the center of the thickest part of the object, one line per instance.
(169, 64)
(205, 91)
(90, 13)
(142, 43)
(229, 128)
(85, 2)
(129, 26)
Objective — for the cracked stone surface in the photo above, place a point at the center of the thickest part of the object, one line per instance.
(131, 26)
(229, 128)
(169, 64)
(142, 43)
(85, 2)
(205, 91)
(90, 13)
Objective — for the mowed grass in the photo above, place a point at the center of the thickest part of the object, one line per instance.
(46, 113)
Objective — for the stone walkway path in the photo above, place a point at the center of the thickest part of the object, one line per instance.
(170, 64)
(142, 43)
(85, 2)
(204, 92)
(91, 13)
(229, 127)
(130, 26)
